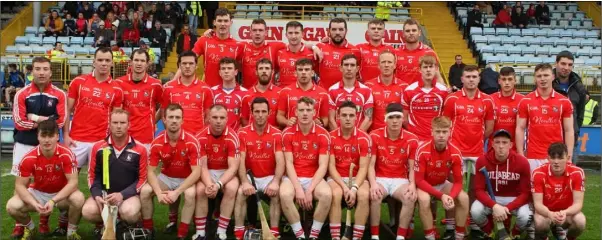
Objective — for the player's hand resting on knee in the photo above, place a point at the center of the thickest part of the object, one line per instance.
(350, 197)
(410, 193)
(272, 189)
(163, 198)
(300, 197)
(248, 189)
(500, 213)
(211, 191)
(115, 198)
(376, 192)
(448, 202)
(308, 200)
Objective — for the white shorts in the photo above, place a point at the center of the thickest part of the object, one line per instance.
(216, 174)
(41, 197)
(391, 184)
(148, 147)
(171, 183)
(262, 182)
(441, 186)
(19, 151)
(305, 182)
(82, 152)
(535, 163)
(469, 162)
(479, 212)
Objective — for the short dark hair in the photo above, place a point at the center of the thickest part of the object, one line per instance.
(565, 54)
(506, 71)
(172, 107)
(187, 54)
(39, 60)
(259, 21)
(394, 107)
(303, 62)
(29, 67)
(376, 21)
(102, 50)
(543, 66)
(263, 61)
(337, 20)
(458, 56)
(259, 100)
(57, 43)
(350, 56)
(223, 12)
(140, 51)
(306, 100)
(410, 21)
(557, 150)
(293, 24)
(48, 127)
(470, 68)
(12, 65)
(228, 60)
(348, 104)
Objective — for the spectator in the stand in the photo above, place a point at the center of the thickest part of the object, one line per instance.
(193, 11)
(185, 40)
(531, 14)
(131, 36)
(569, 84)
(519, 18)
(69, 28)
(94, 24)
(455, 73)
(119, 55)
(102, 12)
(542, 13)
(474, 19)
(81, 25)
(109, 19)
(15, 82)
(158, 36)
(517, 5)
(70, 7)
(124, 23)
(54, 25)
(503, 18)
(103, 36)
(151, 53)
(170, 17)
(157, 13)
(141, 12)
(486, 6)
(383, 9)
(28, 74)
(137, 22)
(87, 10)
(148, 25)
(592, 111)
(115, 9)
(209, 7)
(489, 77)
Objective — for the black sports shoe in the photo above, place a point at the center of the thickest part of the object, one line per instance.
(449, 235)
(170, 228)
(59, 232)
(97, 233)
(480, 235)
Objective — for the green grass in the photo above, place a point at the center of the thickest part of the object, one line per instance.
(591, 208)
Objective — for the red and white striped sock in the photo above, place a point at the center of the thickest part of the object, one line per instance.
(335, 230)
(222, 224)
(298, 230)
(173, 217)
(429, 234)
(358, 231)
(275, 231)
(239, 232)
(316, 227)
(200, 223)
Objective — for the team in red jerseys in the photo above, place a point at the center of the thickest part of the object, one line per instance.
(386, 111)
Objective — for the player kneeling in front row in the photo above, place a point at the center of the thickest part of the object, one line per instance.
(127, 160)
(350, 145)
(436, 160)
(508, 179)
(391, 170)
(54, 172)
(558, 188)
(306, 150)
(181, 155)
(218, 171)
(260, 152)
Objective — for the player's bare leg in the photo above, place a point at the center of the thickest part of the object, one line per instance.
(148, 207)
(461, 208)
(73, 205)
(200, 210)
(323, 195)
(172, 216)
(240, 212)
(19, 210)
(375, 206)
(287, 200)
(407, 210)
(275, 213)
(362, 210)
(576, 225)
(424, 209)
(542, 226)
(335, 210)
(129, 210)
(227, 206)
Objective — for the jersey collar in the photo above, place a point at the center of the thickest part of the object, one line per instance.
(313, 127)
(270, 87)
(166, 138)
(224, 133)
(313, 86)
(196, 80)
(566, 170)
(433, 83)
(356, 85)
(387, 135)
(131, 77)
(266, 130)
(552, 95)
(109, 140)
(288, 49)
(394, 82)
(512, 96)
(109, 79)
(340, 132)
(344, 45)
(56, 150)
(477, 94)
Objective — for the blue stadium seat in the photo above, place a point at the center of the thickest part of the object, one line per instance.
(528, 50)
(403, 12)
(514, 32)
(591, 34)
(540, 32)
(367, 16)
(573, 8)
(561, 41)
(35, 40)
(240, 7)
(576, 23)
(508, 40)
(514, 50)
(541, 51)
(22, 40)
(266, 7)
(41, 30)
(462, 12)
(569, 15)
(341, 9)
(480, 46)
(342, 15)
(500, 50)
(587, 22)
(506, 59)
(69, 50)
(365, 10)
(479, 39)
(64, 40)
(494, 39)
(254, 7)
(265, 15)
(579, 15)
(556, 15)
(11, 50)
(353, 10)
(128, 51)
(91, 50)
(583, 52)
(521, 60)
(527, 75)
(527, 32)
(24, 49)
(563, 23)
(492, 59)
(329, 9)
(535, 60)
(31, 30)
(476, 31)
(552, 33)
(521, 40)
(549, 60)
(253, 15)
(77, 41)
(592, 62)
(38, 50)
(578, 34)
(534, 41)
(573, 42)
(355, 16)
(548, 41)
(579, 61)
(567, 33)
(501, 31)
(595, 52)
(89, 41)
(80, 50)
(488, 31)
(488, 49)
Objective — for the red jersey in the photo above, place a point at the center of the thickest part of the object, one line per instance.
(383, 96)
(392, 155)
(423, 105)
(291, 94)
(285, 64)
(260, 149)
(557, 190)
(348, 151)
(306, 149)
(271, 94)
(506, 110)
(251, 54)
(468, 120)
(508, 179)
(408, 62)
(195, 99)
(48, 174)
(233, 101)
(433, 168)
(94, 102)
(369, 68)
(329, 68)
(544, 121)
(361, 95)
(177, 159)
(219, 149)
(141, 100)
(213, 50)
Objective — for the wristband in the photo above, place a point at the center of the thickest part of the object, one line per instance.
(219, 185)
(53, 202)
(354, 188)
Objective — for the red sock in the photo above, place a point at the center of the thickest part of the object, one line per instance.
(375, 230)
(183, 230)
(487, 227)
(335, 230)
(515, 230)
(44, 220)
(460, 229)
(239, 232)
(63, 221)
(147, 224)
(429, 233)
(275, 231)
(402, 232)
(507, 223)
(173, 217)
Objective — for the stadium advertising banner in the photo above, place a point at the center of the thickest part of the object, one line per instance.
(313, 31)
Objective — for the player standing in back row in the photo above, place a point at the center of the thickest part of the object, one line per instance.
(334, 50)
(371, 50)
(547, 115)
(386, 88)
(295, 50)
(229, 93)
(264, 88)
(408, 56)
(506, 104)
